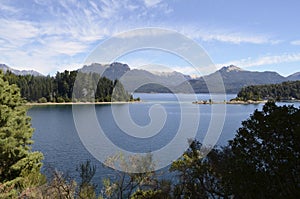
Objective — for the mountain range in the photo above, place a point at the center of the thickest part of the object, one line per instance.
(294, 77)
(141, 80)
(5, 68)
(235, 78)
(132, 79)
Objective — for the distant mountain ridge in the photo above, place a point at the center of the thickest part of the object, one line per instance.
(234, 78)
(231, 68)
(5, 68)
(141, 80)
(111, 71)
(132, 79)
(294, 77)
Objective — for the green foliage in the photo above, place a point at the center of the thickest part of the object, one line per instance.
(42, 100)
(262, 161)
(265, 160)
(119, 93)
(283, 91)
(60, 186)
(19, 166)
(150, 194)
(139, 176)
(60, 88)
(86, 173)
(60, 100)
(199, 177)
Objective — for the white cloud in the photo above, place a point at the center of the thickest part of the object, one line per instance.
(70, 48)
(265, 60)
(46, 45)
(71, 28)
(188, 70)
(144, 33)
(42, 60)
(295, 42)
(17, 32)
(151, 3)
(25, 61)
(135, 63)
(8, 8)
(69, 66)
(150, 65)
(160, 5)
(228, 36)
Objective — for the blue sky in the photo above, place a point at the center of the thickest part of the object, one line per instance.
(50, 36)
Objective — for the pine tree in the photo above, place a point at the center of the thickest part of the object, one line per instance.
(19, 166)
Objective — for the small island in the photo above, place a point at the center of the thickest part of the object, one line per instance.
(232, 101)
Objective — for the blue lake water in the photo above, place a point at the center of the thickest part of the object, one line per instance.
(57, 138)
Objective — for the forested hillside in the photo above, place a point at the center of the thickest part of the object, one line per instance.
(284, 91)
(60, 87)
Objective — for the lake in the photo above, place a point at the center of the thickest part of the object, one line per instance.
(57, 138)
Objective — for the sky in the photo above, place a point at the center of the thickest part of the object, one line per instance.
(49, 35)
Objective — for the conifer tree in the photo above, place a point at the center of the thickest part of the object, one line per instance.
(19, 166)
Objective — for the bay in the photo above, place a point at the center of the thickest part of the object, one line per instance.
(57, 138)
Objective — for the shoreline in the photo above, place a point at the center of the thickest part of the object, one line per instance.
(231, 102)
(237, 102)
(243, 102)
(75, 103)
(246, 102)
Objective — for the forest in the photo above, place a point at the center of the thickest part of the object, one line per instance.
(284, 91)
(89, 87)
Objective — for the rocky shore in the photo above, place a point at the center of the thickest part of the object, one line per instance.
(229, 102)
